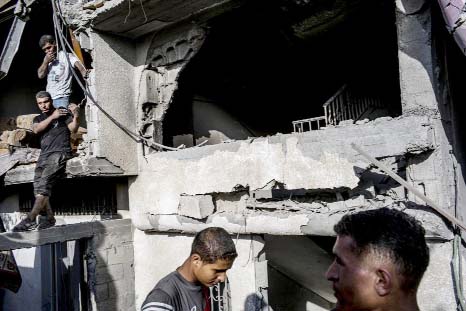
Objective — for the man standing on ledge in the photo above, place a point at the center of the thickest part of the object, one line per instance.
(54, 127)
(187, 289)
(55, 68)
(380, 258)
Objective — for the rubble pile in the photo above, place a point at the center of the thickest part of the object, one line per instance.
(17, 133)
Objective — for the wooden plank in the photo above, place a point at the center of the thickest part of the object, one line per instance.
(405, 184)
(16, 240)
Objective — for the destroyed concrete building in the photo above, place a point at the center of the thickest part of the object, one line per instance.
(238, 114)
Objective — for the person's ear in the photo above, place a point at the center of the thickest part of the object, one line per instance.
(196, 260)
(383, 282)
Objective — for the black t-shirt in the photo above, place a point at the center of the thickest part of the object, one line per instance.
(56, 137)
(174, 293)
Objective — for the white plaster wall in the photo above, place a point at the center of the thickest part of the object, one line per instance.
(215, 125)
(29, 296)
(436, 291)
(156, 255)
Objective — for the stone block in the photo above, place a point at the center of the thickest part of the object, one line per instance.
(120, 254)
(101, 292)
(109, 273)
(119, 288)
(101, 257)
(25, 121)
(197, 206)
(110, 305)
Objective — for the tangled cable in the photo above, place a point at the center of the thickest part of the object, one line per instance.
(61, 45)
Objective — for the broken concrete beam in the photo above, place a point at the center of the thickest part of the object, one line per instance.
(281, 223)
(25, 121)
(7, 124)
(276, 193)
(92, 167)
(198, 206)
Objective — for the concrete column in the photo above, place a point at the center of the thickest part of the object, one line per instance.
(420, 85)
(416, 65)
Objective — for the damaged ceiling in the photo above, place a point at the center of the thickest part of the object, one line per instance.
(301, 18)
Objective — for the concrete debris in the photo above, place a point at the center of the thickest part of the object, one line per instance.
(198, 207)
(93, 5)
(25, 121)
(360, 122)
(93, 166)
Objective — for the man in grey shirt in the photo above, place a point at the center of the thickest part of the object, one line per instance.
(187, 289)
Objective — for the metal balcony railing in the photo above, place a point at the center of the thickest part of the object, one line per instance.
(343, 105)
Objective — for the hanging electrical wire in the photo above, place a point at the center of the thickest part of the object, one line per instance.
(61, 45)
(457, 272)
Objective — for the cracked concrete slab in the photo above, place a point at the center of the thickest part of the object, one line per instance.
(312, 160)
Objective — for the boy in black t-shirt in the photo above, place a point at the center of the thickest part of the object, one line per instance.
(187, 289)
(54, 127)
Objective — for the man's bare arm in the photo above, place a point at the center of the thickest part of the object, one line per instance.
(84, 72)
(43, 69)
(74, 125)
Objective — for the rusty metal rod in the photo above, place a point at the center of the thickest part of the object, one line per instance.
(405, 184)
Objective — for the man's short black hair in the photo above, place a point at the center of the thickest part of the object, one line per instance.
(43, 94)
(46, 39)
(392, 233)
(214, 244)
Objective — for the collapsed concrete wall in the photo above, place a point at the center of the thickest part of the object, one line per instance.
(315, 161)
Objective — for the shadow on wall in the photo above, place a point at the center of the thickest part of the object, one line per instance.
(99, 278)
(254, 302)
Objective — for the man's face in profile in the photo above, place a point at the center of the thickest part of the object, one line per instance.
(353, 277)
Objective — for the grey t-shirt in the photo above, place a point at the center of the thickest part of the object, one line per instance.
(174, 293)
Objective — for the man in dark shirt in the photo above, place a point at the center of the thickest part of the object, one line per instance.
(54, 127)
(187, 288)
(380, 258)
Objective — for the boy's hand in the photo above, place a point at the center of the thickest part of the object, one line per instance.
(59, 112)
(49, 57)
(74, 109)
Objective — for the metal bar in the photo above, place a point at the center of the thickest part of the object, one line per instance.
(345, 106)
(11, 46)
(326, 116)
(331, 99)
(405, 184)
